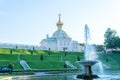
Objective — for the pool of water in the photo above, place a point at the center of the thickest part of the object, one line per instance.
(65, 77)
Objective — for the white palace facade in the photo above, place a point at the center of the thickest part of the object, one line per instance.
(60, 41)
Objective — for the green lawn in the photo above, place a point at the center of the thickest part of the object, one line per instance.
(51, 60)
(54, 60)
(112, 60)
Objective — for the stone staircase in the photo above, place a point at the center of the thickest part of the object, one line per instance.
(24, 65)
(70, 65)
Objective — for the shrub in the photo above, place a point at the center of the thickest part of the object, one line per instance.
(78, 58)
(11, 66)
(65, 66)
(41, 57)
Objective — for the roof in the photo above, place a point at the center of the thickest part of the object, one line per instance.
(60, 34)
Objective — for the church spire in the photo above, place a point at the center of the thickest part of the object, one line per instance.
(59, 23)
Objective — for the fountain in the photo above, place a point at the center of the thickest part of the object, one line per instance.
(88, 63)
(89, 60)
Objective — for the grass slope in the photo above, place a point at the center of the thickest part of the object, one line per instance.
(51, 59)
(54, 60)
(112, 60)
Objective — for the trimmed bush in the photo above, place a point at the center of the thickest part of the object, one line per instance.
(11, 66)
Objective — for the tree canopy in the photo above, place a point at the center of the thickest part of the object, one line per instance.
(112, 40)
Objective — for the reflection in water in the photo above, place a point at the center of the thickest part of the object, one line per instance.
(65, 77)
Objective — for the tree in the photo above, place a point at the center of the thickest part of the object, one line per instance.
(11, 66)
(32, 51)
(117, 42)
(49, 51)
(64, 49)
(41, 57)
(65, 66)
(16, 47)
(81, 44)
(11, 51)
(78, 58)
(33, 48)
(109, 33)
(99, 48)
(65, 54)
(112, 41)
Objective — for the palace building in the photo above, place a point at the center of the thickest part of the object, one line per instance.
(60, 40)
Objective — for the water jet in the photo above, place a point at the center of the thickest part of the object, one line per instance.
(88, 62)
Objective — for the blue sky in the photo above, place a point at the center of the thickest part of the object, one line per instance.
(28, 21)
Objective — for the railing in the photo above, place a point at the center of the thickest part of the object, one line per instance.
(19, 46)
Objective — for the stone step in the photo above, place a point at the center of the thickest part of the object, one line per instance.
(24, 64)
(70, 65)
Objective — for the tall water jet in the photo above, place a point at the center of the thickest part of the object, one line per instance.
(89, 58)
(89, 49)
(90, 53)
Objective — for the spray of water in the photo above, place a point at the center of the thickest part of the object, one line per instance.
(89, 49)
(90, 53)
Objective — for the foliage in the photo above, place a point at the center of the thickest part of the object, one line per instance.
(33, 48)
(32, 51)
(65, 66)
(11, 51)
(11, 66)
(81, 44)
(65, 53)
(49, 51)
(41, 57)
(112, 41)
(16, 47)
(78, 58)
(99, 48)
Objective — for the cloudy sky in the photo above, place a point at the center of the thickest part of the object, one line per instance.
(28, 21)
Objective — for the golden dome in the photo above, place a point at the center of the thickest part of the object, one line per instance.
(59, 23)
